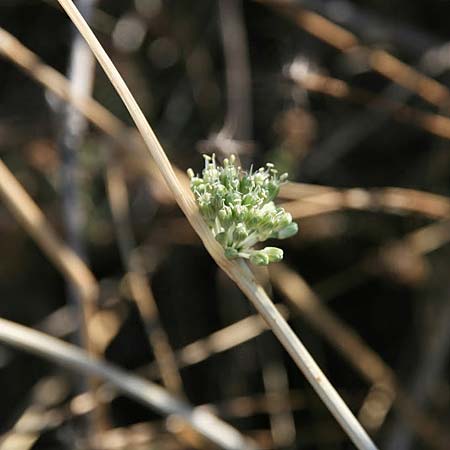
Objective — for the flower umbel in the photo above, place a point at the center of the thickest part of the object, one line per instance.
(238, 207)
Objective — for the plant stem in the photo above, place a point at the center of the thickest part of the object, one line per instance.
(302, 357)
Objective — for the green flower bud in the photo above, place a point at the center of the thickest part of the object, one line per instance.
(238, 212)
(273, 189)
(207, 212)
(240, 233)
(217, 202)
(275, 254)
(259, 258)
(287, 231)
(249, 199)
(284, 218)
(245, 185)
(259, 178)
(197, 184)
(232, 198)
(221, 238)
(231, 253)
(267, 223)
(225, 216)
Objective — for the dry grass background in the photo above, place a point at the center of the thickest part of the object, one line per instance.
(364, 282)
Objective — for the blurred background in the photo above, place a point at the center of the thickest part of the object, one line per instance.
(350, 97)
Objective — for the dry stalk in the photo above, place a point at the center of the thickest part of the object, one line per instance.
(139, 285)
(380, 61)
(436, 124)
(34, 222)
(143, 391)
(386, 390)
(386, 199)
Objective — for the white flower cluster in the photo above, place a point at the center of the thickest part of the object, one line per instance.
(238, 207)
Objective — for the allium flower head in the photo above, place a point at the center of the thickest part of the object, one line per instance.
(238, 207)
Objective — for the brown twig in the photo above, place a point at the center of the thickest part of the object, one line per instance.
(236, 133)
(379, 60)
(138, 283)
(40, 414)
(368, 363)
(68, 262)
(127, 139)
(435, 124)
(387, 199)
(219, 341)
(149, 394)
(37, 226)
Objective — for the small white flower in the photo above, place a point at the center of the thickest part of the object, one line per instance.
(238, 207)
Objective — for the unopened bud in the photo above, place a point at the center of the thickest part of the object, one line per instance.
(288, 231)
(259, 258)
(231, 253)
(275, 254)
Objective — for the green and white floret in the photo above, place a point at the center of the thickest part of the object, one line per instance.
(239, 209)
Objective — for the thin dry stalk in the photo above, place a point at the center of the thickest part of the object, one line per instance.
(238, 271)
(145, 392)
(386, 199)
(83, 282)
(28, 214)
(39, 415)
(220, 341)
(435, 124)
(379, 60)
(235, 135)
(139, 285)
(124, 137)
(303, 299)
(12, 49)
(385, 387)
(235, 407)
